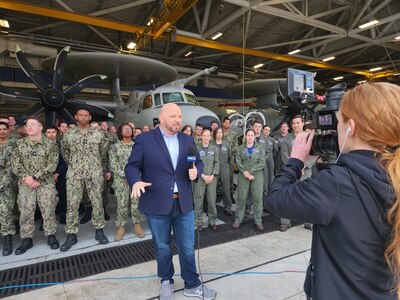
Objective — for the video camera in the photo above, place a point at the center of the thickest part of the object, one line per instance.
(327, 143)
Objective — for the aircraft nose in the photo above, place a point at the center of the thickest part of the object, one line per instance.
(206, 120)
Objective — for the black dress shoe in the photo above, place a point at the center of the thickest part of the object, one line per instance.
(229, 212)
(87, 216)
(72, 239)
(260, 227)
(52, 242)
(26, 244)
(100, 236)
(7, 248)
(213, 227)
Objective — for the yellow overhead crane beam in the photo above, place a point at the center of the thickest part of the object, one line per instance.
(120, 26)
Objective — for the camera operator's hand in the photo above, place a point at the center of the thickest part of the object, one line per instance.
(302, 146)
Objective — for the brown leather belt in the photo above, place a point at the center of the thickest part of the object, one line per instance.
(175, 196)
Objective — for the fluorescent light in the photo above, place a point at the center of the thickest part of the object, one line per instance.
(4, 23)
(397, 37)
(131, 45)
(329, 58)
(294, 51)
(217, 35)
(369, 24)
(375, 69)
(361, 81)
(396, 74)
(258, 66)
(150, 22)
(187, 54)
(338, 78)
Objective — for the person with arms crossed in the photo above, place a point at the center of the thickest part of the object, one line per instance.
(354, 203)
(159, 173)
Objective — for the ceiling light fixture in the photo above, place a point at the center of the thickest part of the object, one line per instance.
(188, 53)
(131, 45)
(294, 51)
(150, 22)
(258, 66)
(397, 37)
(369, 24)
(4, 23)
(329, 58)
(217, 35)
(375, 69)
(338, 78)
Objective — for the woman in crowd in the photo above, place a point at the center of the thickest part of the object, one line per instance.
(118, 156)
(187, 129)
(250, 159)
(224, 169)
(207, 184)
(354, 204)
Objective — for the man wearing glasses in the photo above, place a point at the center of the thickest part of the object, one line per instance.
(34, 161)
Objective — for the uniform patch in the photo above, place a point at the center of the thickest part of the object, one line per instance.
(202, 153)
(85, 141)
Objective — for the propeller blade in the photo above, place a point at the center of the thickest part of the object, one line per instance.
(67, 116)
(50, 118)
(33, 111)
(20, 93)
(29, 71)
(81, 84)
(98, 110)
(59, 68)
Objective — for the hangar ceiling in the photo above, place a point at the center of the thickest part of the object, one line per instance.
(253, 32)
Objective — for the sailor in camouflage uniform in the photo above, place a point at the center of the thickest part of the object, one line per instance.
(7, 201)
(118, 157)
(83, 149)
(232, 138)
(207, 184)
(34, 160)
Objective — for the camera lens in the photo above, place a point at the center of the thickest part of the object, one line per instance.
(325, 144)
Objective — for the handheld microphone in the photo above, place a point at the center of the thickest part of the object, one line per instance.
(191, 157)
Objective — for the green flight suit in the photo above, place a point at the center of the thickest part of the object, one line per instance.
(253, 163)
(224, 176)
(38, 159)
(83, 151)
(210, 159)
(118, 158)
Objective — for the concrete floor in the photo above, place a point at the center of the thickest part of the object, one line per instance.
(287, 254)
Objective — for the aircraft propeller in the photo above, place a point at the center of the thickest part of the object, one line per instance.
(52, 100)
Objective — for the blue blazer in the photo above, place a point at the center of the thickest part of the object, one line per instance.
(150, 162)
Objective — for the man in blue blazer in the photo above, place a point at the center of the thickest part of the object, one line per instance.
(159, 173)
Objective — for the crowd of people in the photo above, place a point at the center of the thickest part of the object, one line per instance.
(85, 162)
(352, 204)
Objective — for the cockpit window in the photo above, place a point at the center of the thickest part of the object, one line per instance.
(191, 99)
(172, 97)
(157, 99)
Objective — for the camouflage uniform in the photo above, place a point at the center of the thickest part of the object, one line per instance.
(232, 138)
(83, 151)
(210, 158)
(118, 157)
(270, 150)
(7, 198)
(38, 159)
(254, 164)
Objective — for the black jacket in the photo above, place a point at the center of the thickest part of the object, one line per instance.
(347, 203)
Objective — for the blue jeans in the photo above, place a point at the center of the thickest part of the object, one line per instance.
(183, 227)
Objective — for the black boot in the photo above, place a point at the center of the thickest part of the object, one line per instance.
(7, 248)
(26, 244)
(52, 242)
(101, 237)
(106, 216)
(72, 239)
(87, 216)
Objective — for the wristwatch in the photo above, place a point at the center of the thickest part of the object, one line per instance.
(35, 178)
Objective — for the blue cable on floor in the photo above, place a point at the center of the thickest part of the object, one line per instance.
(143, 277)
